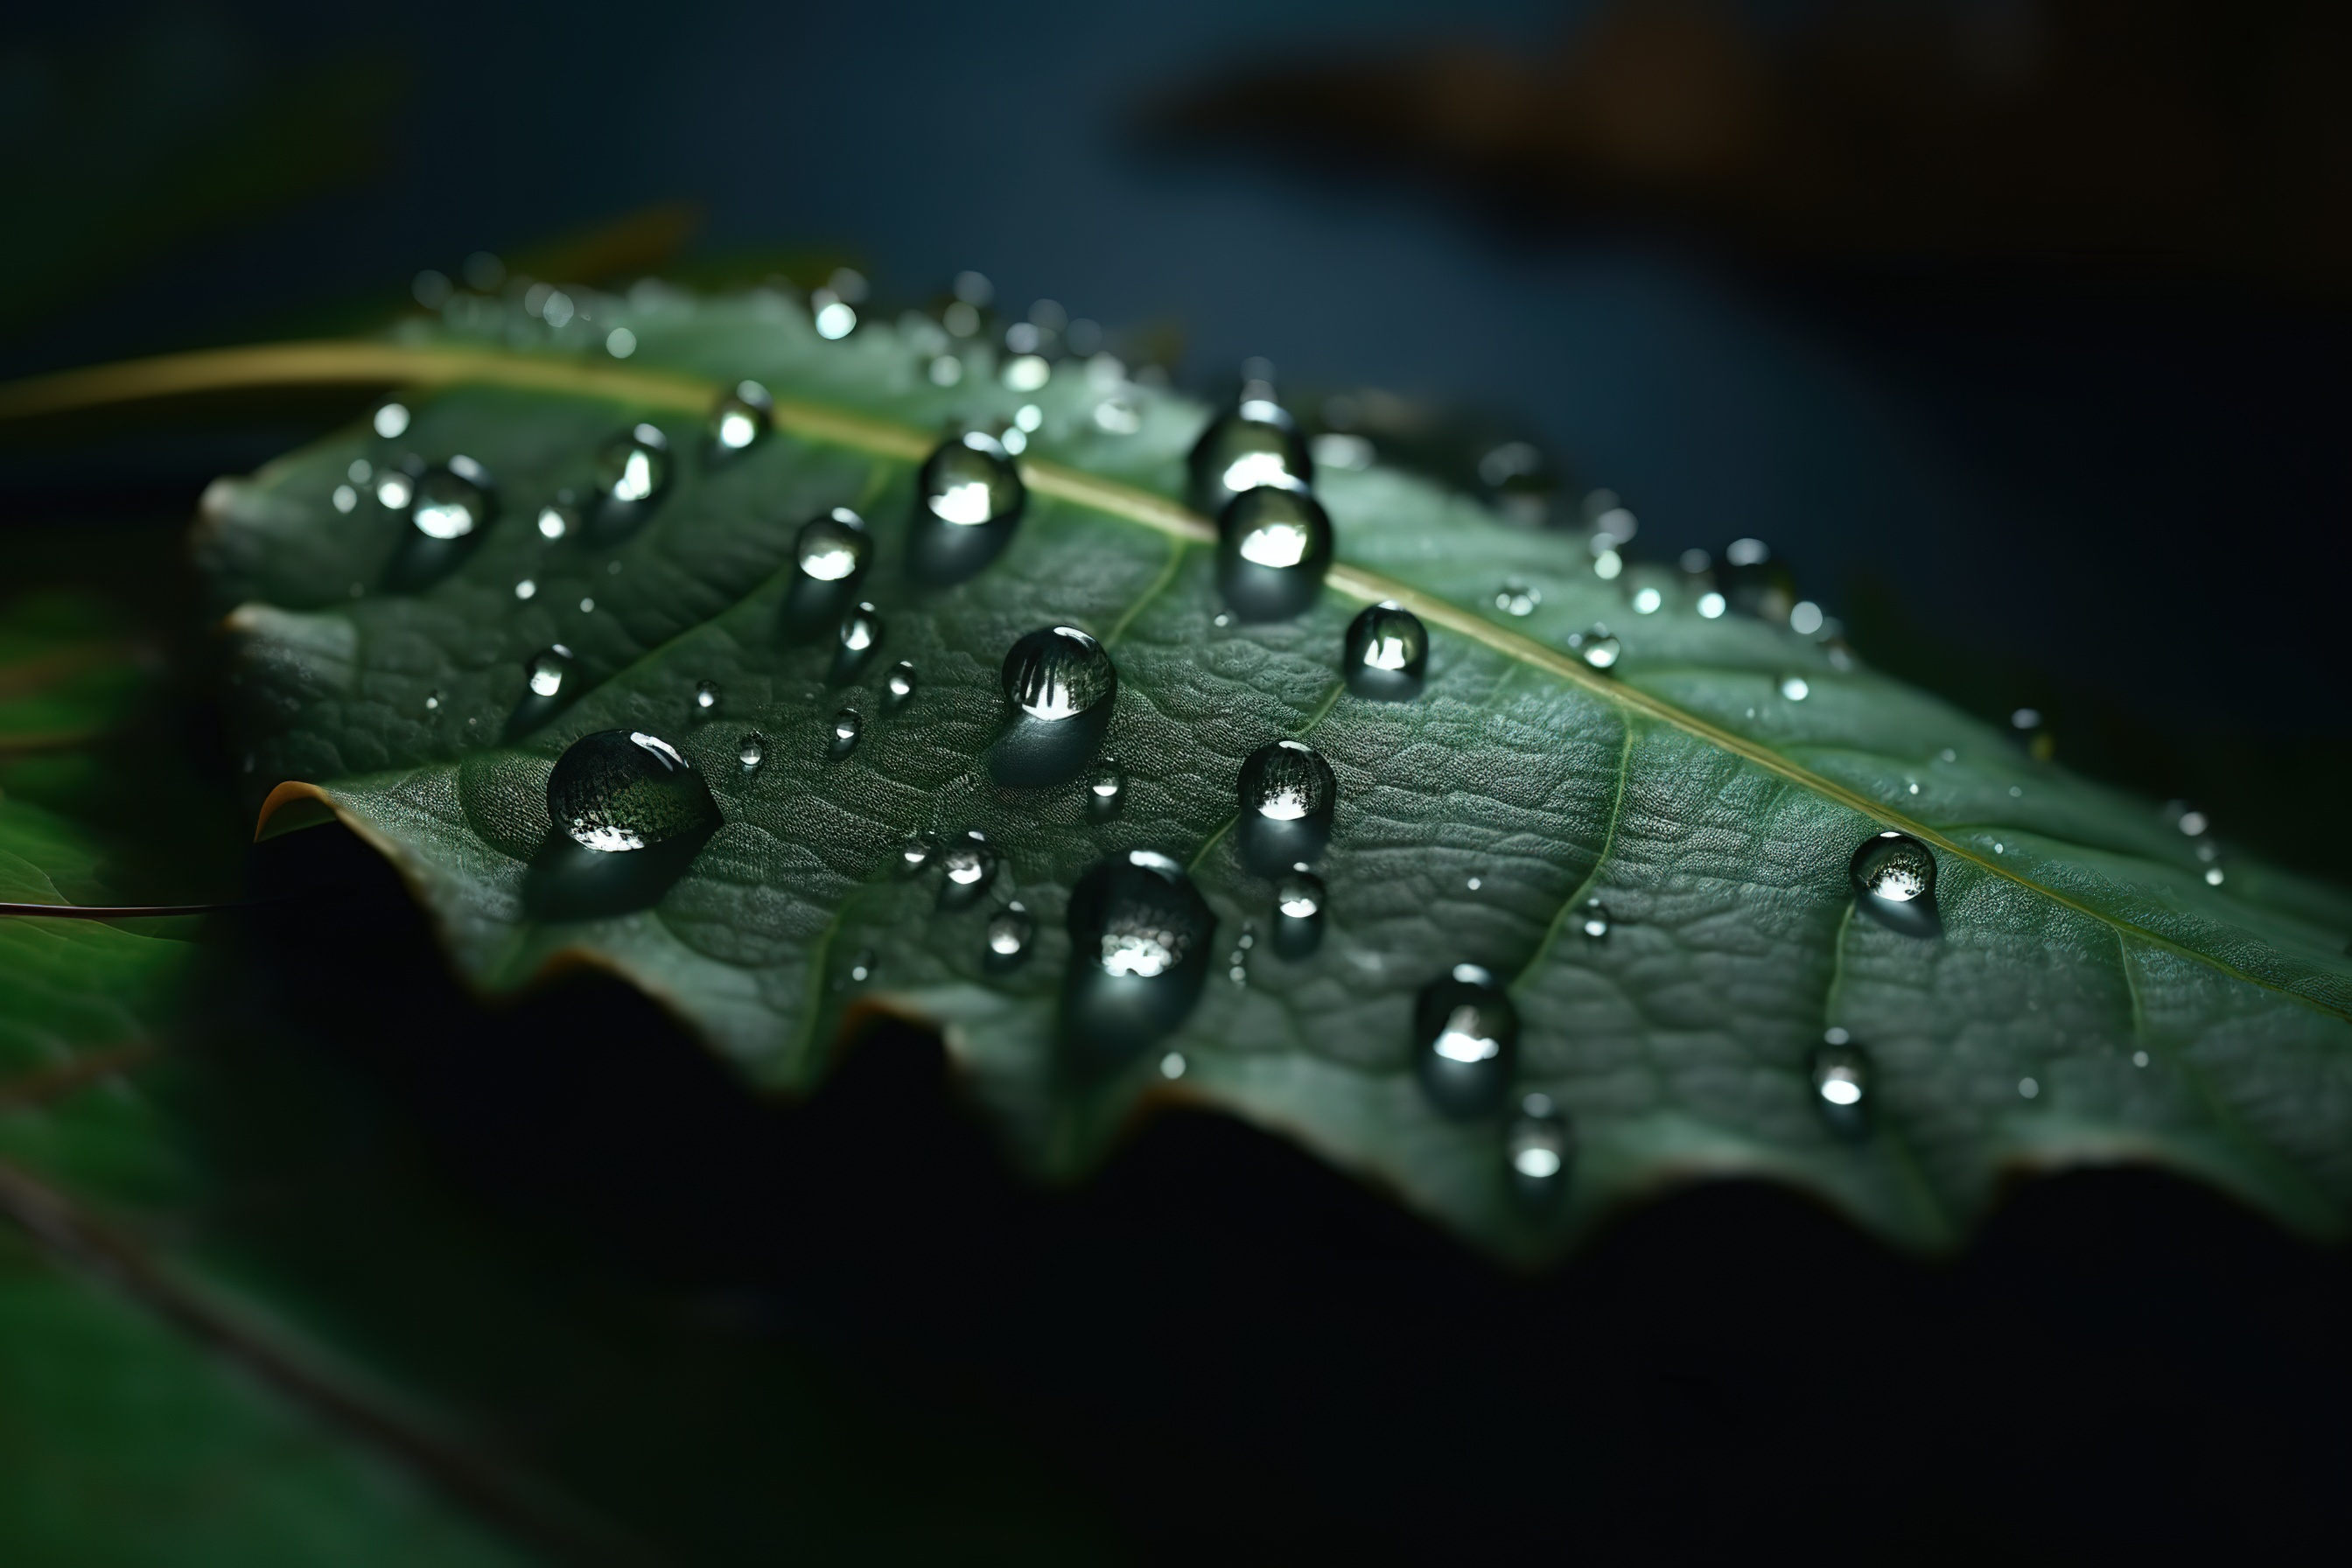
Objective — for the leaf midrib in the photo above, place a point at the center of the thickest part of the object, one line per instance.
(361, 362)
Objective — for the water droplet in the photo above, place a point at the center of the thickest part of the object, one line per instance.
(1540, 1145)
(1710, 606)
(969, 482)
(433, 702)
(970, 503)
(394, 489)
(1894, 879)
(1058, 673)
(2193, 823)
(1841, 1075)
(1171, 1066)
(1468, 1033)
(587, 605)
(1274, 547)
(706, 698)
(1647, 601)
(971, 864)
(345, 498)
(1105, 791)
(452, 503)
(1258, 444)
(751, 750)
(1299, 898)
(1599, 650)
(391, 420)
(1795, 689)
(620, 790)
(743, 417)
(842, 738)
(1118, 417)
(1287, 796)
(862, 967)
(633, 472)
(549, 670)
(2213, 878)
(1517, 597)
(1593, 918)
(1009, 933)
(526, 589)
(2139, 1058)
(2029, 1088)
(899, 684)
(834, 547)
(860, 634)
(556, 520)
(1386, 652)
(1805, 617)
(1753, 582)
(916, 851)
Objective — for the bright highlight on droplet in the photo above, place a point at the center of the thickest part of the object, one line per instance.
(1711, 605)
(834, 321)
(1795, 689)
(1646, 601)
(392, 421)
(1805, 618)
(1172, 1065)
(525, 588)
(620, 343)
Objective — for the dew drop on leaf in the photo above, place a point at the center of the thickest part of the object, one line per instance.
(1539, 1146)
(1894, 879)
(453, 499)
(899, 685)
(741, 416)
(1593, 920)
(549, 670)
(394, 489)
(1518, 597)
(634, 469)
(706, 698)
(1386, 652)
(1009, 931)
(842, 735)
(1058, 673)
(619, 790)
(1274, 547)
(1599, 650)
(1258, 444)
(1841, 1075)
(970, 865)
(391, 420)
(970, 483)
(1298, 900)
(915, 852)
(1287, 794)
(860, 634)
(832, 547)
(751, 750)
(1468, 1042)
(556, 519)
(1105, 790)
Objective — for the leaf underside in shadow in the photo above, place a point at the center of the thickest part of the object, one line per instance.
(2094, 994)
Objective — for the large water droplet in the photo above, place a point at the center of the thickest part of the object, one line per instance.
(1894, 882)
(899, 686)
(970, 865)
(1386, 653)
(1468, 1032)
(1139, 943)
(1061, 683)
(1258, 444)
(1298, 900)
(1274, 547)
(833, 546)
(1010, 932)
(453, 499)
(969, 498)
(550, 682)
(1105, 791)
(633, 472)
(741, 416)
(1287, 796)
(1058, 673)
(1540, 1146)
(1841, 1075)
(841, 736)
(620, 790)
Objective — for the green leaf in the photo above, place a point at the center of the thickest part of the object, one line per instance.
(2098, 991)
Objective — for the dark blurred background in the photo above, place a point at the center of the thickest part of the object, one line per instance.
(2019, 327)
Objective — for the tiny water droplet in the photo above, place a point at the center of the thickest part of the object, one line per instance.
(453, 499)
(1711, 605)
(1517, 597)
(587, 605)
(395, 489)
(556, 520)
(1009, 933)
(1841, 1075)
(751, 750)
(1299, 898)
(1221, 619)
(743, 417)
(2193, 823)
(1386, 652)
(860, 634)
(391, 420)
(862, 967)
(2139, 1058)
(1171, 1066)
(1474, 883)
(1647, 601)
(634, 469)
(1256, 445)
(2029, 1088)
(970, 866)
(1594, 918)
(1105, 790)
(915, 852)
(345, 498)
(1468, 1042)
(1599, 649)
(899, 685)
(549, 670)
(846, 726)
(706, 698)
(2213, 876)
(620, 790)
(1795, 689)
(833, 546)
(526, 589)
(433, 702)
(1540, 1145)
(1058, 673)
(1894, 878)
